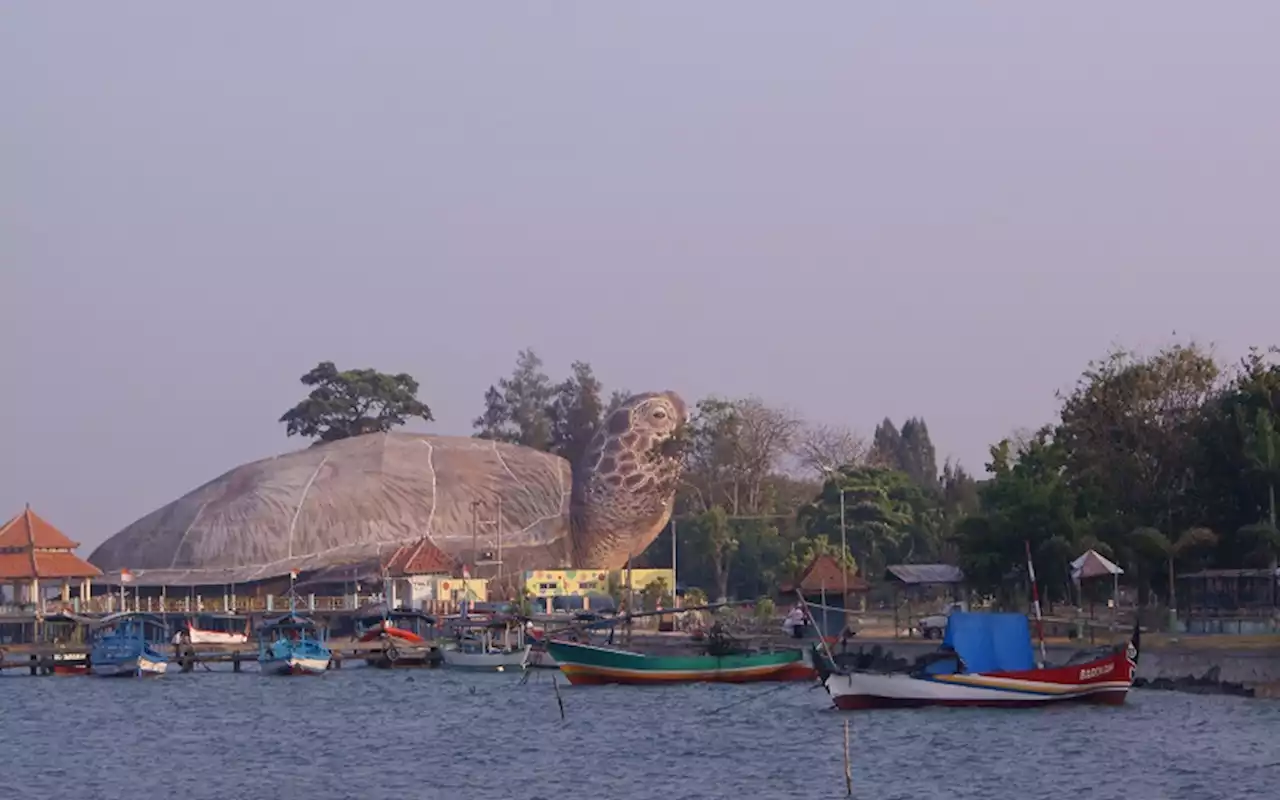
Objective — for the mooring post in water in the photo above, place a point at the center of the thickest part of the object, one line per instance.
(848, 772)
(555, 684)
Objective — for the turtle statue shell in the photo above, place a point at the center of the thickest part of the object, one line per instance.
(356, 499)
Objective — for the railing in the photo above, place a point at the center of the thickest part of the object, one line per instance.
(107, 604)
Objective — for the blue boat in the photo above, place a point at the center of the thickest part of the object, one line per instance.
(128, 644)
(292, 645)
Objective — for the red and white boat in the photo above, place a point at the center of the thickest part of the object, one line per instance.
(987, 660)
(386, 628)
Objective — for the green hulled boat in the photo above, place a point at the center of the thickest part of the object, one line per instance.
(586, 664)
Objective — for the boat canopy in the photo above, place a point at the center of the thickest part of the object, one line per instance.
(132, 616)
(289, 621)
(989, 642)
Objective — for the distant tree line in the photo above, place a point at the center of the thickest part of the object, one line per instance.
(1161, 462)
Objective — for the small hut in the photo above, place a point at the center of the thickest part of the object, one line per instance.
(916, 583)
(822, 586)
(1092, 565)
(421, 575)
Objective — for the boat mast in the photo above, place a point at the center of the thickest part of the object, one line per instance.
(1035, 601)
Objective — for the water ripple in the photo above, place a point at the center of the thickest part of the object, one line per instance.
(368, 734)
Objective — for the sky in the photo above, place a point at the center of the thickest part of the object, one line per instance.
(853, 210)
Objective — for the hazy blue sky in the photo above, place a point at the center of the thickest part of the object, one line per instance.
(854, 209)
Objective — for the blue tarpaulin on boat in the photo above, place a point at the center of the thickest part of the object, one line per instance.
(991, 642)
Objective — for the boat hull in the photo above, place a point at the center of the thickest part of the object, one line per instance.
(587, 665)
(296, 665)
(70, 664)
(142, 665)
(492, 662)
(1105, 681)
(199, 636)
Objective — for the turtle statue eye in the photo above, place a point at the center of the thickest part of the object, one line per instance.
(659, 414)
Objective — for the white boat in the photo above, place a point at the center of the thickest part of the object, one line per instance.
(203, 636)
(497, 660)
(488, 646)
(987, 660)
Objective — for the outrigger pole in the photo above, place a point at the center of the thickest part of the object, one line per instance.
(1035, 601)
(831, 659)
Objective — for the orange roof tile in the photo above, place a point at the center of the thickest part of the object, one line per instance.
(421, 558)
(63, 565)
(42, 564)
(824, 572)
(32, 548)
(29, 530)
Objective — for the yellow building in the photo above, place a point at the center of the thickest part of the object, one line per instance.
(548, 584)
(413, 592)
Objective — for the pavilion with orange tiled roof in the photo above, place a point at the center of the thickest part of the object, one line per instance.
(32, 551)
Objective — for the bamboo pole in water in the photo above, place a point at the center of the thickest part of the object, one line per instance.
(848, 772)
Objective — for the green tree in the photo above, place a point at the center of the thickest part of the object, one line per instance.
(352, 403)
(882, 509)
(1128, 430)
(1029, 499)
(574, 413)
(886, 446)
(516, 410)
(656, 593)
(1258, 544)
(712, 541)
(917, 456)
(731, 450)
(764, 611)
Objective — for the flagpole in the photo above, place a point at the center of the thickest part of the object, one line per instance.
(1035, 601)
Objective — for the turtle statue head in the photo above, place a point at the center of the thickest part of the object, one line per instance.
(625, 484)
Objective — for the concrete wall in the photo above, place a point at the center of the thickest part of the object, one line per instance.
(1248, 667)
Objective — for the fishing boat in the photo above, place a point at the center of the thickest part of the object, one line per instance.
(196, 635)
(292, 645)
(127, 644)
(405, 639)
(542, 628)
(539, 658)
(65, 663)
(585, 664)
(477, 646)
(986, 659)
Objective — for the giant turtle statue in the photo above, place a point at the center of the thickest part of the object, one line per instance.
(357, 499)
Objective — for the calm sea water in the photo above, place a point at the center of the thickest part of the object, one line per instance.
(370, 734)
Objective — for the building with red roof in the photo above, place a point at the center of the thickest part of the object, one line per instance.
(420, 558)
(34, 555)
(424, 576)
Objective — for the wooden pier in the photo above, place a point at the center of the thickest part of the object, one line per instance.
(39, 660)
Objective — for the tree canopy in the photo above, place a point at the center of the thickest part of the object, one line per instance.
(1163, 462)
(353, 402)
(527, 408)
